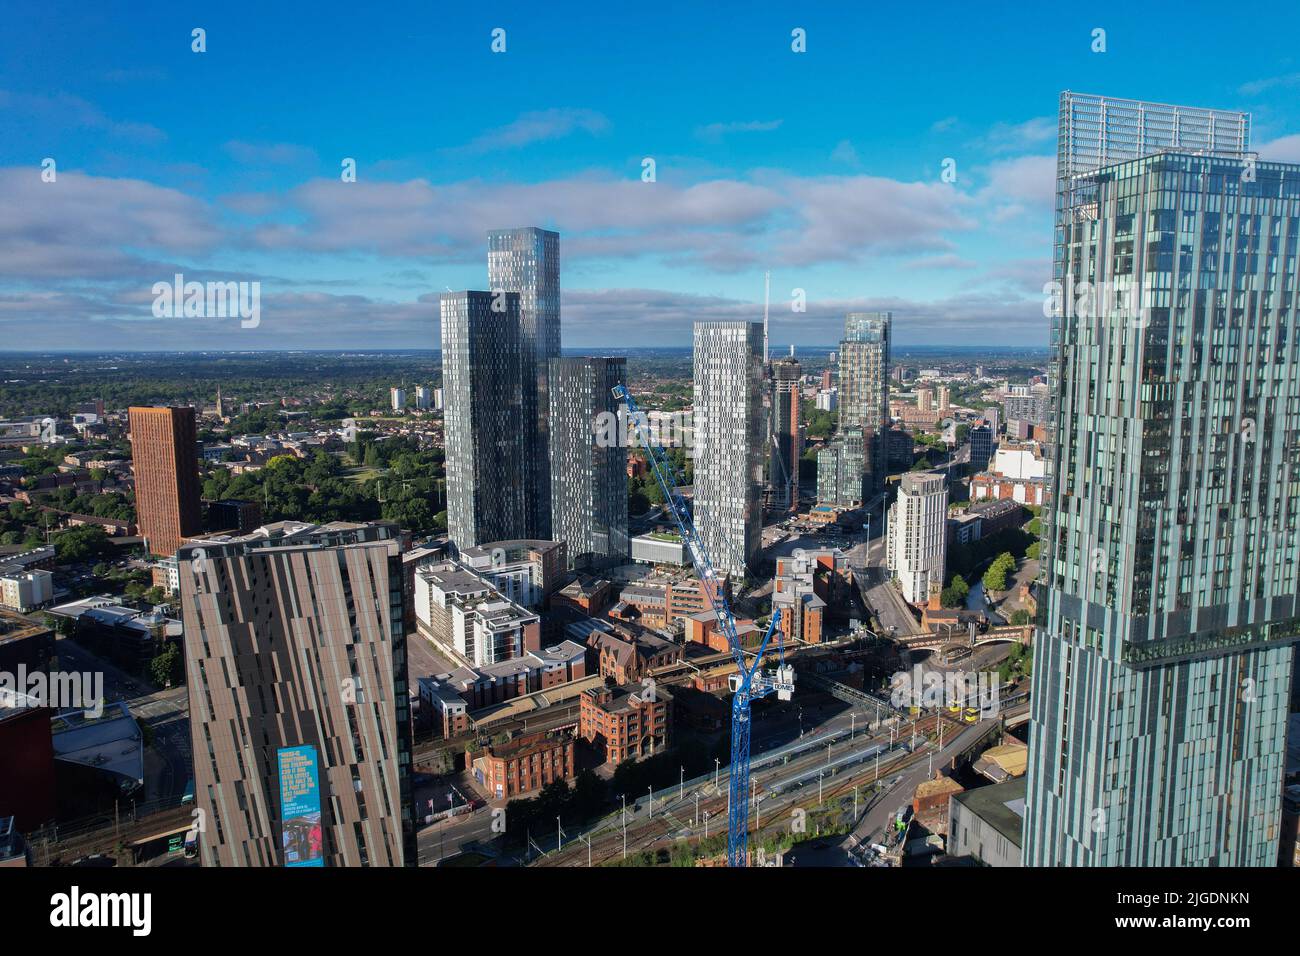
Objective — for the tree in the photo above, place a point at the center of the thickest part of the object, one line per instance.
(954, 595)
(167, 667)
(995, 578)
(81, 544)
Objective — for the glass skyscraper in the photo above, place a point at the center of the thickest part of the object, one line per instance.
(1162, 663)
(787, 434)
(527, 261)
(487, 425)
(588, 460)
(864, 388)
(728, 421)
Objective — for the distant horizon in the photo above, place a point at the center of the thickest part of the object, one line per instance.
(776, 350)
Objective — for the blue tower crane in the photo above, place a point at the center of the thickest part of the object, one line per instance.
(749, 681)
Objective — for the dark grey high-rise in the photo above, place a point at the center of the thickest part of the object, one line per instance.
(487, 427)
(864, 388)
(527, 261)
(588, 461)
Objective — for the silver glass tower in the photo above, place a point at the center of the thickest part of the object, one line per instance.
(588, 461)
(864, 388)
(527, 261)
(728, 420)
(1162, 663)
(786, 433)
(488, 496)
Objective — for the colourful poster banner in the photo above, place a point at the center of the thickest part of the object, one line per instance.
(300, 825)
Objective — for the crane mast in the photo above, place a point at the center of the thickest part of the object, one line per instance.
(749, 681)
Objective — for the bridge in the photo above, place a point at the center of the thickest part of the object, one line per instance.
(850, 695)
(1001, 634)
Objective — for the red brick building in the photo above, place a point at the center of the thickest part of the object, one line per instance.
(624, 724)
(164, 458)
(591, 596)
(621, 653)
(703, 629)
(524, 765)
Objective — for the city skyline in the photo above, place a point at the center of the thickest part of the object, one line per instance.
(488, 438)
(768, 176)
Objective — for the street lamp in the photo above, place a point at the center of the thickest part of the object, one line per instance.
(717, 767)
(706, 824)
(681, 794)
(652, 801)
(697, 808)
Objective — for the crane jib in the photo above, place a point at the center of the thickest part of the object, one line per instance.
(749, 681)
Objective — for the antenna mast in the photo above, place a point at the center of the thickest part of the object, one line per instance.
(767, 293)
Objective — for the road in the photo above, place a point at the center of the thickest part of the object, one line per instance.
(873, 822)
(168, 763)
(867, 558)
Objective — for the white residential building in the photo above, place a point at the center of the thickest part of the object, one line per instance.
(916, 535)
(729, 446)
(25, 591)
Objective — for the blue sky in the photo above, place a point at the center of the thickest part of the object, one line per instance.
(823, 167)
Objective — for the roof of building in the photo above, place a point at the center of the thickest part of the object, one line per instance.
(620, 699)
(584, 587)
(514, 545)
(995, 507)
(529, 744)
(1001, 806)
(112, 742)
(17, 627)
(940, 785)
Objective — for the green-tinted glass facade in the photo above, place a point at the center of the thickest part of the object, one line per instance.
(1163, 664)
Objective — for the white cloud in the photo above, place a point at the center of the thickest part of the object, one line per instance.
(1014, 137)
(95, 227)
(1285, 149)
(270, 154)
(537, 127)
(1256, 87)
(72, 112)
(714, 132)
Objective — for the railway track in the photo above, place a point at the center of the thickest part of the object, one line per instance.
(607, 842)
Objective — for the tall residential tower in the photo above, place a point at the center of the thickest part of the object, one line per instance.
(864, 389)
(787, 433)
(527, 261)
(1163, 660)
(488, 425)
(588, 461)
(164, 459)
(295, 654)
(729, 441)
